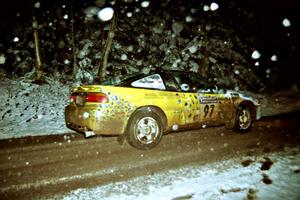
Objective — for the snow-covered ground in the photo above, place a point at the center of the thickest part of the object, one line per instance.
(28, 109)
(241, 178)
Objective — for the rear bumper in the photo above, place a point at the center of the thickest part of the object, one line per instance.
(81, 129)
(79, 120)
(90, 120)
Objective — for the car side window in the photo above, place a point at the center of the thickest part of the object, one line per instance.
(170, 83)
(200, 85)
(153, 81)
(192, 83)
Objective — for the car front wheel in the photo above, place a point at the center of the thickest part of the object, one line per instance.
(144, 130)
(243, 119)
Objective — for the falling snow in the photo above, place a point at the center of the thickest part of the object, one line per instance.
(189, 19)
(129, 14)
(187, 40)
(286, 22)
(66, 61)
(137, 10)
(123, 57)
(145, 4)
(106, 14)
(255, 54)
(206, 8)
(37, 4)
(168, 42)
(16, 39)
(214, 6)
(274, 58)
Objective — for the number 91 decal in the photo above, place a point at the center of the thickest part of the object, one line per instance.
(208, 110)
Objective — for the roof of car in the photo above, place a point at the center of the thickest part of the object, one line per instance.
(127, 79)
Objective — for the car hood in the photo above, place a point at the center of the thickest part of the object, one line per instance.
(242, 94)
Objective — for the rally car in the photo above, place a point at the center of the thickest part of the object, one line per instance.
(143, 107)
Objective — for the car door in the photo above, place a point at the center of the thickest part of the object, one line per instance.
(164, 94)
(215, 104)
(210, 108)
(201, 99)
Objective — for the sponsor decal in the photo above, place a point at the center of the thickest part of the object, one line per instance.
(208, 100)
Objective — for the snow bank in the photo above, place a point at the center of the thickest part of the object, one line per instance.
(30, 109)
(27, 109)
(279, 102)
(232, 179)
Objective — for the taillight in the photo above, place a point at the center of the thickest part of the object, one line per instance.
(72, 97)
(96, 98)
(93, 97)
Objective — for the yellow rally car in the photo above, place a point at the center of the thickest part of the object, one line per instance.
(142, 107)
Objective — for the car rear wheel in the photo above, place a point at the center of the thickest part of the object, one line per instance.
(144, 130)
(244, 119)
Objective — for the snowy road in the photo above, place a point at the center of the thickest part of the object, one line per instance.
(47, 166)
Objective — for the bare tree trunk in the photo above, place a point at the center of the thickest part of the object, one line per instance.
(39, 64)
(75, 66)
(108, 43)
(204, 64)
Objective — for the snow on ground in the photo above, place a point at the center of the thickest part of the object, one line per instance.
(28, 109)
(239, 178)
(277, 103)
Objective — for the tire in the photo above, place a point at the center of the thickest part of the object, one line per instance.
(144, 130)
(243, 122)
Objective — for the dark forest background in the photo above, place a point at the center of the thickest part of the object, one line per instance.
(171, 34)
